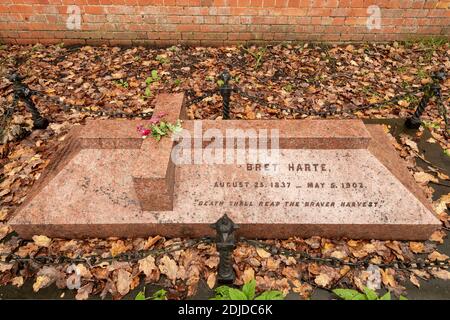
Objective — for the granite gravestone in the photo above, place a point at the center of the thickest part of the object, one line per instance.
(333, 178)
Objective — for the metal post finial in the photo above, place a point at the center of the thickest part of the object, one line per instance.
(440, 75)
(225, 243)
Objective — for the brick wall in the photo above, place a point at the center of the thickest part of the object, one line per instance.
(217, 22)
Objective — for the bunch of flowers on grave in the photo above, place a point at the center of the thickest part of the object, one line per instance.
(158, 127)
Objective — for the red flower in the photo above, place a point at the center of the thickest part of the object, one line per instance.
(143, 131)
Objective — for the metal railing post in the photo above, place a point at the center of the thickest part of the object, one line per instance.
(225, 92)
(433, 89)
(22, 92)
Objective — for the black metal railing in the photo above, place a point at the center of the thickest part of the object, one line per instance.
(225, 241)
(429, 91)
(23, 93)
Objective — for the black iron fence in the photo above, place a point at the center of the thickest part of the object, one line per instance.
(23, 93)
(226, 241)
(429, 91)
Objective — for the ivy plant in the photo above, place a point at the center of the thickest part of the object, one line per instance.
(368, 294)
(154, 77)
(246, 293)
(158, 295)
(122, 83)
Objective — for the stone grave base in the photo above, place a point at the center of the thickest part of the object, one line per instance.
(107, 181)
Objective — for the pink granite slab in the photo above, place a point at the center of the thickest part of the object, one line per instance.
(382, 147)
(121, 133)
(305, 134)
(153, 175)
(292, 135)
(107, 181)
(107, 205)
(154, 182)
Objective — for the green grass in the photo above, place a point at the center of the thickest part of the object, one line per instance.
(428, 46)
(433, 42)
(37, 47)
(368, 91)
(288, 88)
(257, 54)
(402, 69)
(430, 124)
(426, 42)
(162, 59)
(412, 99)
(422, 74)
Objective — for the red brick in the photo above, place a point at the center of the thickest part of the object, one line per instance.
(74, 2)
(281, 3)
(148, 3)
(358, 12)
(161, 22)
(257, 3)
(294, 12)
(439, 13)
(415, 13)
(187, 27)
(269, 3)
(319, 12)
(19, 8)
(94, 10)
(359, 3)
(418, 4)
(430, 4)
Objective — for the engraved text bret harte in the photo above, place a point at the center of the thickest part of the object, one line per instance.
(293, 185)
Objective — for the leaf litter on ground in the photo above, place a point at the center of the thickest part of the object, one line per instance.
(303, 77)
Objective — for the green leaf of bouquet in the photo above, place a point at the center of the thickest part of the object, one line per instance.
(158, 130)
